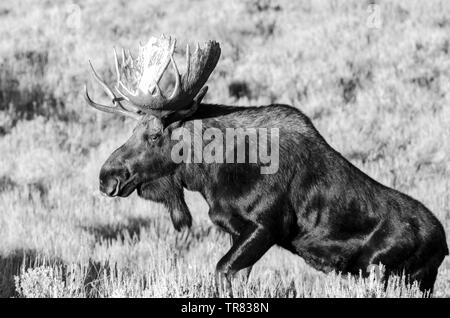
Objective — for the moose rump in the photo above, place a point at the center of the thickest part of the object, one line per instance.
(348, 221)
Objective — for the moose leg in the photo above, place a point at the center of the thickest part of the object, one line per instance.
(248, 247)
(245, 272)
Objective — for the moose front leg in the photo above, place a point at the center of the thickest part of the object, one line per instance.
(248, 247)
(244, 273)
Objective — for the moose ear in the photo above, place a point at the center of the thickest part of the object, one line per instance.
(182, 114)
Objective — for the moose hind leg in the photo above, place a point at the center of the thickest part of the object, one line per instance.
(247, 248)
(427, 280)
(426, 275)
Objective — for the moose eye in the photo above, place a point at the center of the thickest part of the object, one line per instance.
(154, 137)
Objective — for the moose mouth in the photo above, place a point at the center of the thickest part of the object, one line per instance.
(124, 189)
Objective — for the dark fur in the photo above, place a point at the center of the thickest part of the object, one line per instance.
(318, 205)
(168, 191)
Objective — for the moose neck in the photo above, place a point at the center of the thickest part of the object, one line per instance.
(195, 176)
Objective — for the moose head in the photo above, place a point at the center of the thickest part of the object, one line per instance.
(146, 155)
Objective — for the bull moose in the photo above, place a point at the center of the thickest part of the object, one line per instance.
(316, 205)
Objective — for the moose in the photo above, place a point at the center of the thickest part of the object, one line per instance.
(316, 205)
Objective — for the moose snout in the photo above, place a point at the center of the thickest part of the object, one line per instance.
(110, 186)
(111, 181)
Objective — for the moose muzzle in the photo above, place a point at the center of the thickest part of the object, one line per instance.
(116, 182)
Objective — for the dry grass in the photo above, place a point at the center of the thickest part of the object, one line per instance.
(379, 96)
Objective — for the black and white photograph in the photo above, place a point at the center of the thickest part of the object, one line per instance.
(225, 154)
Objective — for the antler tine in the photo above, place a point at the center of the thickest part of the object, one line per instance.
(120, 85)
(106, 88)
(171, 52)
(117, 108)
(108, 109)
(116, 63)
(117, 66)
(130, 56)
(118, 82)
(197, 49)
(128, 65)
(123, 57)
(101, 82)
(188, 60)
(156, 92)
(177, 88)
(189, 86)
(126, 62)
(198, 68)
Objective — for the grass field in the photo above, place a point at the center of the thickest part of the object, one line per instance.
(374, 79)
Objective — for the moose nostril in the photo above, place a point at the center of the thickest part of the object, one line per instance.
(110, 186)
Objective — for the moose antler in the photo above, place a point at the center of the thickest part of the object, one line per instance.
(117, 108)
(138, 78)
